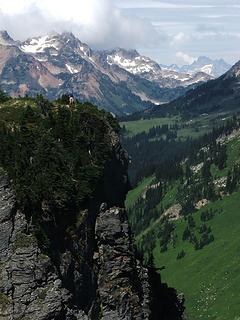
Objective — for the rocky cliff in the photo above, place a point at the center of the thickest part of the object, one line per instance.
(69, 261)
(96, 277)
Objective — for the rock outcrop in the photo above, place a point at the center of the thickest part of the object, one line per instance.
(123, 286)
(95, 278)
(109, 285)
(76, 262)
(29, 283)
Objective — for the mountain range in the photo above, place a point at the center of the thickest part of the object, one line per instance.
(221, 95)
(214, 68)
(120, 81)
(133, 62)
(218, 96)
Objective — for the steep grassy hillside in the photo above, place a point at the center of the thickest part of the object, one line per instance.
(209, 278)
(190, 222)
(135, 193)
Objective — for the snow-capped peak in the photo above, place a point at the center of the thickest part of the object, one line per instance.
(40, 44)
(52, 44)
(132, 61)
(214, 68)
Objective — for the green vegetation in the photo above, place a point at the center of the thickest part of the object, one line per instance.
(233, 151)
(192, 132)
(170, 195)
(52, 153)
(3, 97)
(196, 249)
(194, 128)
(55, 156)
(209, 278)
(138, 126)
(4, 301)
(24, 240)
(135, 193)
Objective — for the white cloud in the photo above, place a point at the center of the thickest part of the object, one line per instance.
(142, 4)
(216, 16)
(179, 39)
(220, 35)
(97, 22)
(184, 57)
(12, 7)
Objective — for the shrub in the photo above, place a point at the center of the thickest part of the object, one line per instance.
(4, 301)
(3, 97)
(181, 255)
(207, 215)
(186, 234)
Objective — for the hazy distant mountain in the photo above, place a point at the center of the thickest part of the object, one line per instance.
(145, 67)
(214, 68)
(221, 95)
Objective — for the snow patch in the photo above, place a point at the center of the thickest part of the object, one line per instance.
(138, 65)
(207, 69)
(84, 50)
(71, 69)
(38, 45)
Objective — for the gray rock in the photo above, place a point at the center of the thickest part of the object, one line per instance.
(122, 283)
(32, 286)
(91, 274)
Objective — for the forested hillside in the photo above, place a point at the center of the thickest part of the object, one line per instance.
(34, 132)
(184, 206)
(215, 97)
(66, 249)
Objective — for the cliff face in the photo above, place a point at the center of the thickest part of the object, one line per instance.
(92, 274)
(109, 284)
(78, 264)
(123, 285)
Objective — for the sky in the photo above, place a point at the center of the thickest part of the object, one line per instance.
(169, 31)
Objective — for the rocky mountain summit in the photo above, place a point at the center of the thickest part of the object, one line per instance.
(120, 81)
(145, 67)
(66, 251)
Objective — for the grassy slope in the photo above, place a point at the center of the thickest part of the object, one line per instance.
(169, 198)
(196, 128)
(135, 193)
(210, 277)
(138, 126)
(233, 151)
